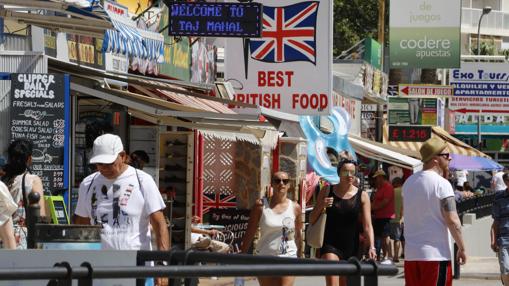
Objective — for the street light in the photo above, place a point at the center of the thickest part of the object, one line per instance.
(485, 11)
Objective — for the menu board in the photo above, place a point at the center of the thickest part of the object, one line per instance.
(40, 113)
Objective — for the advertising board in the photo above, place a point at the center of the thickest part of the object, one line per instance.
(289, 68)
(480, 87)
(425, 34)
(40, 113)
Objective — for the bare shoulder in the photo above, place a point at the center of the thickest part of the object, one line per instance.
(258, 203)
(297, 208)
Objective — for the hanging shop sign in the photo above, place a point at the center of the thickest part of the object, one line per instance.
(480, 87)
(203, 62)
(425, 34)
(82, 50)
(177, 54)
(414, 111)
(412, 133)
(215, 19)
(40, 113)
(368, 120)
(289, 68)
(425, 90)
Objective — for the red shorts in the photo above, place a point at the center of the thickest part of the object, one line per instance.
(428, 273)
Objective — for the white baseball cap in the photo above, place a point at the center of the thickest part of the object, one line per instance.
(106, 149)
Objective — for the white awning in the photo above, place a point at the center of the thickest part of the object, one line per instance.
(373, 151)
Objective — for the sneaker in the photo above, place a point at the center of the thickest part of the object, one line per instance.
(386, 262)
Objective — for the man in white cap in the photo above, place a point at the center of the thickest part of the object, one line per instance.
(124, 200)
(430, 211)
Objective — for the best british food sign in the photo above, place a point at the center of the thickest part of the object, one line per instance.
(289, 68)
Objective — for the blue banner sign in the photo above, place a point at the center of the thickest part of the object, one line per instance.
(215, 19)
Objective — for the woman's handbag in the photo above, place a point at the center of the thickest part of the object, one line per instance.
(315, 232)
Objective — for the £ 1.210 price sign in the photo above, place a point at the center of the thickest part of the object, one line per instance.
(411, 133)
(289, 68)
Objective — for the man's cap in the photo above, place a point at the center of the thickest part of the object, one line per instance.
(431, 148)
(106, 149)
(379, 173)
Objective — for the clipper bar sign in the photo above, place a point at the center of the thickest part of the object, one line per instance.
(289, 68)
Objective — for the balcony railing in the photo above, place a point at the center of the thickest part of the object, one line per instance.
(495, 23)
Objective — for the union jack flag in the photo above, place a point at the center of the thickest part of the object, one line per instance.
(218, 200)
(288, 35)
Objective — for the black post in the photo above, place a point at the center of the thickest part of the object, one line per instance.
(455, 263)
(372, 280)
(32, 217)
(355, 280)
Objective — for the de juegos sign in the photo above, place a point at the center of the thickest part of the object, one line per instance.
(214, 19)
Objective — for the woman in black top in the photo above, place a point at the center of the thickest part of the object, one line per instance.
(344, 204)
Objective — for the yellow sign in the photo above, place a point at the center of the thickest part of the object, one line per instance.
(135, 6)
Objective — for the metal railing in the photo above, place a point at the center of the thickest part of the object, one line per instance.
(495, 23)
(479, 205)
(181, 266)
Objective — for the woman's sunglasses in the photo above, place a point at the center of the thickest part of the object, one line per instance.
(278, 181)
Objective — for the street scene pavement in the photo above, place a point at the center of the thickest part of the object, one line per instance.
(478, 271)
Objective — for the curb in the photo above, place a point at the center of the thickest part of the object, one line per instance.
(480, 276)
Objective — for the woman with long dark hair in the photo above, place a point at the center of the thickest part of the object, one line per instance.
(344, 204)
(21, 182)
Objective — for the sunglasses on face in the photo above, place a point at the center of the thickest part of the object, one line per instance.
(347, 173)
(445, 155)
(104, 165)
(278, 181)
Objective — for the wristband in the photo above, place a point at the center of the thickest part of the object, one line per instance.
(372, 248)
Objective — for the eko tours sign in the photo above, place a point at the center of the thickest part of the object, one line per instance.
(425, 33)
(289, 68)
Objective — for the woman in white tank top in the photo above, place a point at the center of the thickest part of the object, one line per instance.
(280, 225)
(17, 179)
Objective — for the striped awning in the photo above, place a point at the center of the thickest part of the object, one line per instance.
(128, 39)
(455, 145)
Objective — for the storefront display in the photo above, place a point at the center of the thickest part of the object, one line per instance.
(176, 161)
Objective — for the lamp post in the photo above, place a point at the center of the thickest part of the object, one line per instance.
(485, 11)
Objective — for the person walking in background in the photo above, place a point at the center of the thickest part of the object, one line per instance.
(139, 159)
(429, 212)
(397, 221)
(21, 183)
(280, 225)
(124, 200)
(383, 212)
(7, 207)
(500, 229)
(497, 182)
(344, 204)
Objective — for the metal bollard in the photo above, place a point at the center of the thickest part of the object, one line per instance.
(33, 213)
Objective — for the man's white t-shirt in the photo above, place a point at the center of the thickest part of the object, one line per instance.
(121, 207)
(498, 181)
(426, 235)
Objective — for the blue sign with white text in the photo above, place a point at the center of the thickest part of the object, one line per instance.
(214, 19)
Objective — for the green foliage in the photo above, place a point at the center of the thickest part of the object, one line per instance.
(353, 20)
(487, 48)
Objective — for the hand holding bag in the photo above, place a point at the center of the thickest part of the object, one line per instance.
(316, 232)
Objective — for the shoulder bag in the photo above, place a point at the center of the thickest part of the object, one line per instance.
(316, 232)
